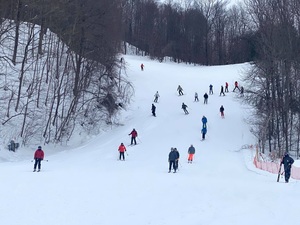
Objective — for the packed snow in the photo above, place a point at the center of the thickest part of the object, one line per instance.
(85, 183)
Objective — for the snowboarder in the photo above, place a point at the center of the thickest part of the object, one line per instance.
(203, 131)
(180, 90)
(211, 92)
(184, 106)
(191, 152)
(142, 67)
(226, 87)
(38, 157)
(133, 134)
(204, 121)
(222, 91)
(122, 150)
(222, 111)
(196, 97)
(156, 96)
(236, 86)
(153, 108)
(205, 96)
(172, 160)
(287, 162)
(177, 158)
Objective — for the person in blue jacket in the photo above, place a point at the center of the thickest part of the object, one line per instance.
(203, 131)
(204, 121)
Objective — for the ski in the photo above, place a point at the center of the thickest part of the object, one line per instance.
(132, 145)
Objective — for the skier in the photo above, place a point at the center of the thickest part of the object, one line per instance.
(222, 111)
(180, 90)
(153, 108)
(211, 89)
(222, 91)
(184, 106)
(133, 134)
(177, 158)
(204, 121)
(172, 160)
(203, 131)
(191, 152)
(122, 149)
(156, 96)
(287, 162)
(226, 87)
(242, 91)
(205, 98)
(142, 67)
(38, 157)
(236, 86)
(196, 97)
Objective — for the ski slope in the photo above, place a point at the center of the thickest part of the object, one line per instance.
(86, 184)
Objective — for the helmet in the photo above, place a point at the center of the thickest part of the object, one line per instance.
(39, 147)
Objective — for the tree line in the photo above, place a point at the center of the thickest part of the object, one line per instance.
(274, 78)
(201, 31)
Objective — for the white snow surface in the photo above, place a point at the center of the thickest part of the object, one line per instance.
(86, 184)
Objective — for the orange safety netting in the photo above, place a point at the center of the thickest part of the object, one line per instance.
(273, 167)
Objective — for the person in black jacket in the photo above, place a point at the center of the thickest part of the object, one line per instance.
(222, 91)
(191, 152)
(184, 106)
(153, 108)
(287, 162)
(172, 160)
(180, 90)
(222, 111)
(205, 96)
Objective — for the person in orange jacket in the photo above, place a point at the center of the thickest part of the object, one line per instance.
(38, 157)
(122, 150)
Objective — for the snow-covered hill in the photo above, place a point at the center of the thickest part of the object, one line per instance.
(88, 185)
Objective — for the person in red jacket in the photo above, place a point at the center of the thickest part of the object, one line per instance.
(122, 149)
(226, 87)
(38, 157)
(133, 136)
(236, 86)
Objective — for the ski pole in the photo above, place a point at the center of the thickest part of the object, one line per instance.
(139, 140)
